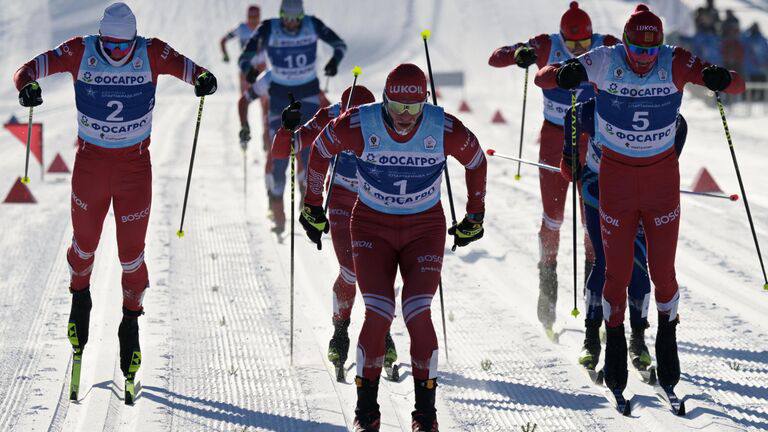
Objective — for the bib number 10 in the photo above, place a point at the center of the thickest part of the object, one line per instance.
(298, 60)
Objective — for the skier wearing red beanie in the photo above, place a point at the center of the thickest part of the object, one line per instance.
(639, 175)
(575, 38)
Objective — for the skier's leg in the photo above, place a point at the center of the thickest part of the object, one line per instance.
(339, 214)
(553, 191)
(593, 294)
(639, 299)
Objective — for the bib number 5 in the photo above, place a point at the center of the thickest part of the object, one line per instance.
(640, 121)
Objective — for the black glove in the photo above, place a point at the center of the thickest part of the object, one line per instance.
(467, 231)
(245, 135)
(716, 78)
(251, 75)
(205, 84)
(525, 56)
(291, 117)
(31, 95)
(315, 224)
(571, 74)
(331, 67)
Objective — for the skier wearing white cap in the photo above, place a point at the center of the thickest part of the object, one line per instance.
(115, 74)
(291, 46)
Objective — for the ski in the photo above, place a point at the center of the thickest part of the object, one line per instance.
(622, 404)
(596, 376)
(647, 375)
(74, 382)
(668, 395)
(392, 372)
(130, 391)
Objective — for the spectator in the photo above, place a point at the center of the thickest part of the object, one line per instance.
(729, 28)
(707, 18)
(755, 59)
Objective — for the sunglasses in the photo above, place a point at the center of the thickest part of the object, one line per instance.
(117, 47)
(583, 43)
(399, 108)
(286, 17)
(642, 50)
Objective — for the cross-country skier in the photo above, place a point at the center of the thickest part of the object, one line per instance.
(640, 88)
(115, 74)
(290, 43)
(343, 197)
(243, 33)
(401, 146)
(640, 285)
(575, 38)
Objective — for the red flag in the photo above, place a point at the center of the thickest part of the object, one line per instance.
(19, 130)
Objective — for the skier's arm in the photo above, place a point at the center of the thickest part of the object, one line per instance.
(255, 45)
(64, 58)
(687, 68)
(610, 40)
(463, 145)
(593, 61)
(164, 60)
(223, 42)
(303, 136)
(343, 133)
(505, 56)
(331, 38)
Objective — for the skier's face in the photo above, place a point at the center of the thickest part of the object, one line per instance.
(116, 49)
(404, 116)
(578, 47)
(291, 23)
(254, 18)
(640, 58)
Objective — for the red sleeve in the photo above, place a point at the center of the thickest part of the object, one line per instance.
(281, 146)
(165, 60)
(505, 56)
(687, 68)
(610, 40)
(462, 144)
(546, 77)
(343, 133)
(64, 58)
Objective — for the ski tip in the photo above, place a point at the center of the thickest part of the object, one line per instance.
(426, 34)
(180, 233)
(491, 152)
(73, 396)
(357, 70)
(25, 180)
(517, 176)
(734, 197)
(681, 411)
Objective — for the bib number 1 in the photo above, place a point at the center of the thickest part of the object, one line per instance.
(401, 184)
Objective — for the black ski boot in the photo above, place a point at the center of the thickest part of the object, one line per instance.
(367, 415)
(130, 352)
(547, 297)
(638, 351)
(615, 358)
(338, 347)
(77, 333)
(590, 352)
(390, 357)
(424, 418)
(668, 364)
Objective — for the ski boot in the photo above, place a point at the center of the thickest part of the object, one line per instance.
(130, 352)
(338, 347)
(616, 358)
(638, 351)
(424, 418)
(278, 214)
(77, 333)
(668, 364)
(590, 352)
(390, 357)
(367, 415)
(547, 297)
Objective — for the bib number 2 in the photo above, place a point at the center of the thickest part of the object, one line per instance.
(118, 108)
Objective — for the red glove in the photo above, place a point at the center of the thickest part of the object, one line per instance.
(281, 146)
(565, 170)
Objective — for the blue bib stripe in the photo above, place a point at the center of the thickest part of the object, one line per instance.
(401, 178)
(556, 100)
(114, 103)
(292, 56)
(636, 115)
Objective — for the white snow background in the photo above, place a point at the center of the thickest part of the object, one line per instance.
(215, 337)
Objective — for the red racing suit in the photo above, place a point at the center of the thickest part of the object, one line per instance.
(552, 185)
(102, 175)
(637, 184)
(383, 242)
(339, 212)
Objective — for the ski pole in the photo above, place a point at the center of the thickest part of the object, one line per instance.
(293, 210)
(522, 126)
(741, 186)
(245, 174)
(425, 35)
(25, 179)
(732, 197)
(327, 81)
(574, 161)
(180, 232)
(356, 71)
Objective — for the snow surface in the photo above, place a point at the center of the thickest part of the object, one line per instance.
(216, 334)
